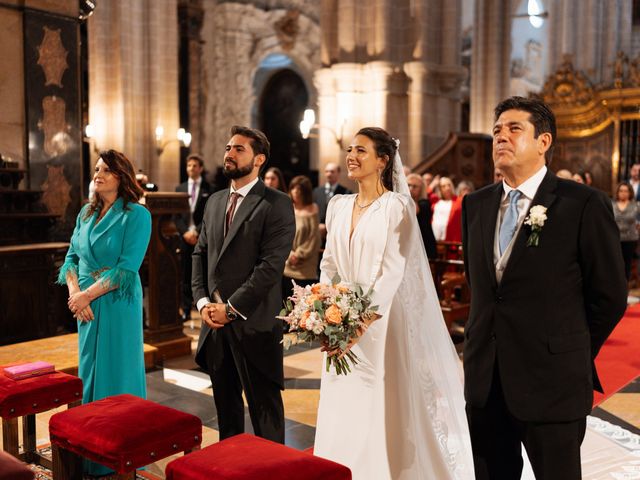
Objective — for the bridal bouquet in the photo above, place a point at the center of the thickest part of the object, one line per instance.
(335, 315)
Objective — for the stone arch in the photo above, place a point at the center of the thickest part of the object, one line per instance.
(238, 37)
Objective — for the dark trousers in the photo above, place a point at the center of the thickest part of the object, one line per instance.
(628, 253)
(186, 302)
(496, 438)
(231, 374)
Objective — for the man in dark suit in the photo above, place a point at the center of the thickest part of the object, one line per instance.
(323, 193)
(544, 298)
(188, 223)
(423, 212)
(246, 236)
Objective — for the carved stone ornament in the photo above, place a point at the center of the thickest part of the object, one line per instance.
(287, 29)
(567, 86)
(52, 57)
(57, 190)
(54, 126)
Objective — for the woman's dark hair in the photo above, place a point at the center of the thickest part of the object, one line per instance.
(624, 184)
(282, 186)
(385, 146)
(306, 189)
(129, 189)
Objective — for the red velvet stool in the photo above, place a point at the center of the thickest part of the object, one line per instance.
(13, 469)
(122, 432)
(25, 398)
(245, 457)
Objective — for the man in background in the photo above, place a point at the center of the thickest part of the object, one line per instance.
(324, 193)
(188, 224)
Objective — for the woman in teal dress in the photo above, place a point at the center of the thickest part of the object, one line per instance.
(105, 294)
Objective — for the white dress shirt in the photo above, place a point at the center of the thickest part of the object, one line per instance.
(528, 190)
(243, 192)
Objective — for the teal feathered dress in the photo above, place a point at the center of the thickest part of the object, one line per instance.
(111, 346)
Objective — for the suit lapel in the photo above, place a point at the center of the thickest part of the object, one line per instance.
(219, 213)
(246, 207)
(545, 197)
(490, 208)
(114, 214)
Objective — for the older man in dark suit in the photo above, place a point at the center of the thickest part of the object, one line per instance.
(323, 193)
(246, 236)
(188, 223)
(543, 261)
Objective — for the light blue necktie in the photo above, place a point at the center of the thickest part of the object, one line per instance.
(510, 221)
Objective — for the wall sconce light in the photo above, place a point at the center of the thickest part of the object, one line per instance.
(182, 136)
(89, 137)
(534, 13)
(308, 123)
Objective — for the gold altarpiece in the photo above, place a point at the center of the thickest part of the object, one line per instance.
(592, 121)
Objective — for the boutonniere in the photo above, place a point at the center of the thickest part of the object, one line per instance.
(536, 218)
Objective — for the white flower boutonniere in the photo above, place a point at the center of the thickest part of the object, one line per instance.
(536, 218)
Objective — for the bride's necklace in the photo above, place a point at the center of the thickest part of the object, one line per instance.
(362, 207)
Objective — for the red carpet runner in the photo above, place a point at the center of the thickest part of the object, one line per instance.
(618, 362)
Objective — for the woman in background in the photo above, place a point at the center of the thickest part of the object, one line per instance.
(273, 178)
(625, 211)
(105, 294)
(442, 209)
(302, 264)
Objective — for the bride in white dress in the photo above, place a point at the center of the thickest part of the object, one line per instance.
(399, 414)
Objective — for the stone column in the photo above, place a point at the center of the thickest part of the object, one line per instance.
(489, 61)
(191, 13)
(133, 83)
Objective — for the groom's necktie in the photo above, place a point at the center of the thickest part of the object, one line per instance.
(509, 221)
(230, 211)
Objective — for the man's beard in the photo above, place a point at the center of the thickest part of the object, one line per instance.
(237, 172)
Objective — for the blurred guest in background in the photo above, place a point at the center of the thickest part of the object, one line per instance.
(625, 211)
(578, 177)
(564, 173)
(454, 226)
(324, 193)
(442, 208)
(273, 178)
(302, 264)
(423, 212)
(188, 224)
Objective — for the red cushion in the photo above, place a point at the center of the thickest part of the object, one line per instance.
(37, 394)
(13, 469)
(247, 457)
(125, 432)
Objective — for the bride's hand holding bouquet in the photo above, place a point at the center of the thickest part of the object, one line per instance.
(336, 315)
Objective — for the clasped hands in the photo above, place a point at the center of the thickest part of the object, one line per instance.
(215, 315)
(79, 304)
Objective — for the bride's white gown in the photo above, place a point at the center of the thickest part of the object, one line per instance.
(400, 413)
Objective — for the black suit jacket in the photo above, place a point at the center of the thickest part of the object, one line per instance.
(322, 200)
(182, 220)
(545, 322)
(246, 268)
